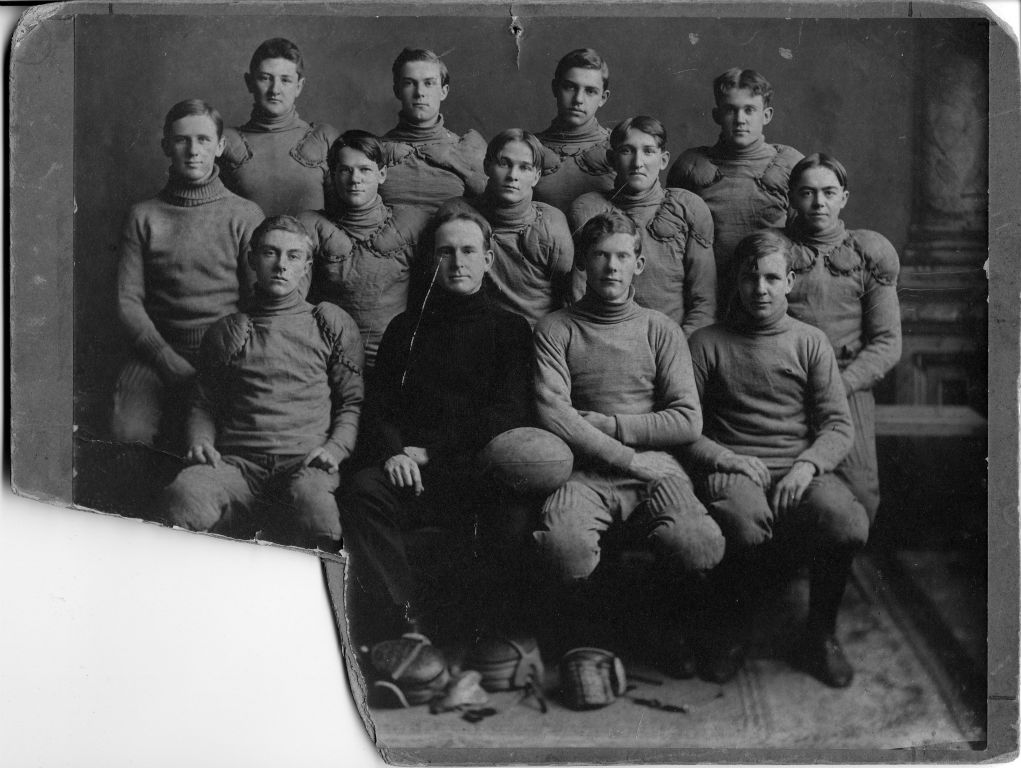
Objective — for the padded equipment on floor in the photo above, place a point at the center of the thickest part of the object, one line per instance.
(591, 678)
(507, 663)
(413, 670)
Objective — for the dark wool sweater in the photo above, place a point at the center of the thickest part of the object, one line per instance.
(363, 261)
(533, 251)
(283, 378)
(279, 162)
(426, 166)
(770, 390)
(453, 381)
(745, 189)
(575, 163)
(619, 360)
(846, 284)
(677, 241)
(182, 263)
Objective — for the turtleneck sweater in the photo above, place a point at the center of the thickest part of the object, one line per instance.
(769, 389)
(451, 377)
(621, 360)
(744, 187)
(846, 284)
(363, 261)
(278, 161)
(677, 241)
(282, 379)
(574, 164)
(427, 165)
(182, 264)
(533, 254)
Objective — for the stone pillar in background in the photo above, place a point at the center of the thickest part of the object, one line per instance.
(943, 283)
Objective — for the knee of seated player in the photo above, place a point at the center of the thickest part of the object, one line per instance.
(507, 520)
(739, 506)
(194, 500)
(568, 536)
(312, 505)
(838, 517)
(686, 537)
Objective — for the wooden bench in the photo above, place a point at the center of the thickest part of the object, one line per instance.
(929, 421)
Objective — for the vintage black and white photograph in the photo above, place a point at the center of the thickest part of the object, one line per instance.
(626, 366)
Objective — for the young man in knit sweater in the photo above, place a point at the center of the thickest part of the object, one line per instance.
(614, 381)
(776, 423)
(276, 413)
(450, 375)
(676, 228)
(181, 268)
(575, 159)
(426, 163)
(532, 247)
(742, 179)
(364, 250)
(276, 158)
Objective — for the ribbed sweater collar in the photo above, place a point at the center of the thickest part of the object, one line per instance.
(264, 122)
(589, 133)
(825, 239)
(594, 307)
(362, 221)
(628, 201)
(412, 134)
(186, 193)
(760, 150)
(441, 305)
(265, 305)
(503, 216)
(743, 323)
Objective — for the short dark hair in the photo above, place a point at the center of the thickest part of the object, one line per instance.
(743, 78)
(759, 244)
(285, 223)
(409, 55)
(190, 107)
(643, 123)
(504, 138)
(464, 213)
(363, 141)
(278, 48)
(583, 58)
(602, 225)
(818, 160)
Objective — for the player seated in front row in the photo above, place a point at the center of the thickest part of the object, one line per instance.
(614, 381)
(182, 267)
(450, 375)
(776, 423)
(428, 163)
(676, 227)
(364, 250)
(532, 247)
(276, 414)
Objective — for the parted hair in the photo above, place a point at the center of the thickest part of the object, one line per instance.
(643, 123)
(504, 138)
(743, 78)
(761, 243)
(284, 223)
(818, 160)
(460, 214)
(600, 226)
(188, 108)
(363, 141)
(583, 58)
(409, 55)
(278, 48)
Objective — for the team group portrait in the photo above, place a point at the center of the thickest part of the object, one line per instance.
(611, 352)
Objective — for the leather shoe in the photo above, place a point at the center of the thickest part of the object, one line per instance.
(724, 662)
(823, 658)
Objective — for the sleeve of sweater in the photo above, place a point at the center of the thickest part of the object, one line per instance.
(561, 260)
(827, 399)
(247, 223)
(146, 340)
(703, 452)
(210, 380)
(880, 312)
(381, 420)
(553, 399)
(678, 418)
(344, 373)
(699, 267)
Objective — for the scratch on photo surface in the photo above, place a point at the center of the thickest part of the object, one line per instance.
(518, 30)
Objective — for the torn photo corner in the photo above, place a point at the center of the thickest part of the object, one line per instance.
(450, 658)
